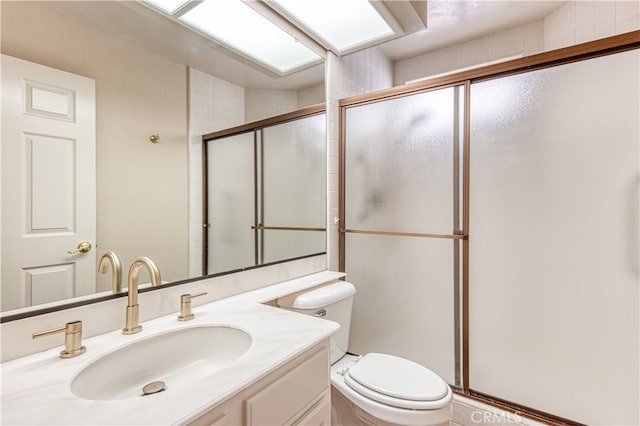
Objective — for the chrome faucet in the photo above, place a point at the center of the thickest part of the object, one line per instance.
(110, 258)
(132, 325)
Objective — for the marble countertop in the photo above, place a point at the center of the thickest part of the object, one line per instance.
(36, 389)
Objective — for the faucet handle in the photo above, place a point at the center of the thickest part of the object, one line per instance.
(72, 338)
(185, 306)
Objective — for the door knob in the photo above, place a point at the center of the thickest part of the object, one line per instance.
(83, 247)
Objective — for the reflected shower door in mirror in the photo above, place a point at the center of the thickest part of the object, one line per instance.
(265, 191)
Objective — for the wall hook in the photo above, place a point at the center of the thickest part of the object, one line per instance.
(154, 138)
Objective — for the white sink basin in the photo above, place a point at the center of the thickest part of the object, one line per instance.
(176, 358)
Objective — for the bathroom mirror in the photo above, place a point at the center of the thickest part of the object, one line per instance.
(152, 78)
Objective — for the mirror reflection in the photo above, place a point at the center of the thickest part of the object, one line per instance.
(157, 88)
(265, 192)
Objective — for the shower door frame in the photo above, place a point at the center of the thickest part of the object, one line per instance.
(594, 49)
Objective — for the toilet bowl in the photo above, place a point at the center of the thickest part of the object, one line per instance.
(372, 389)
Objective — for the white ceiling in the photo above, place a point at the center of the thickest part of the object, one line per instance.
(449, 22)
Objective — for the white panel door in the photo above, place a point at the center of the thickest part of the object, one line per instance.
(48, 184)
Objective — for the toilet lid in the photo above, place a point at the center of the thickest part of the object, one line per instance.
(396, 381)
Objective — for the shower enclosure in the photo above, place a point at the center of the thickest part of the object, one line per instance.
(491, 226)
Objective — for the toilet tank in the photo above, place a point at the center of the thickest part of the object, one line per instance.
(332, 302)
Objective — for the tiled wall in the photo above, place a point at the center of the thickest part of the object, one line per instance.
(332, 89)
(363, 72)
(583, 21)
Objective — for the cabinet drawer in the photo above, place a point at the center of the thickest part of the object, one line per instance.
(287, 396)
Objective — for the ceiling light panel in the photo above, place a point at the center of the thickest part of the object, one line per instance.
(345, 25)
(244, 30)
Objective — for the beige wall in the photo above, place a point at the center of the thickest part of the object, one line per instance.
(141, 187)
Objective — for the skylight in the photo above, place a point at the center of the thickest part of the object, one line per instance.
(344, 25)
(240, 28)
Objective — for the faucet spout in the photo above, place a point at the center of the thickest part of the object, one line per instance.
(132, 324)
(111, 258)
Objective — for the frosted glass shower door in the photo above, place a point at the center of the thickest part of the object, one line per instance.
(293, 188)
(554, 266)
(401, 161)
(230, 182)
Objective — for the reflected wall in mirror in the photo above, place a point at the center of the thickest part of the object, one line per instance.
(265, 192)
(152, 77)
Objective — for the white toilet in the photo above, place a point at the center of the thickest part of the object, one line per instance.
(372, 389)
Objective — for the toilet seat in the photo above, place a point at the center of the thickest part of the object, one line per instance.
(437, 413)
(397, 382)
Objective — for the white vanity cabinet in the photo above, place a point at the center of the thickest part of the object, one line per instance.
(297, 393)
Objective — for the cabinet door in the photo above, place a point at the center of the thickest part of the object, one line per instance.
(297, 393)
(286, 399)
